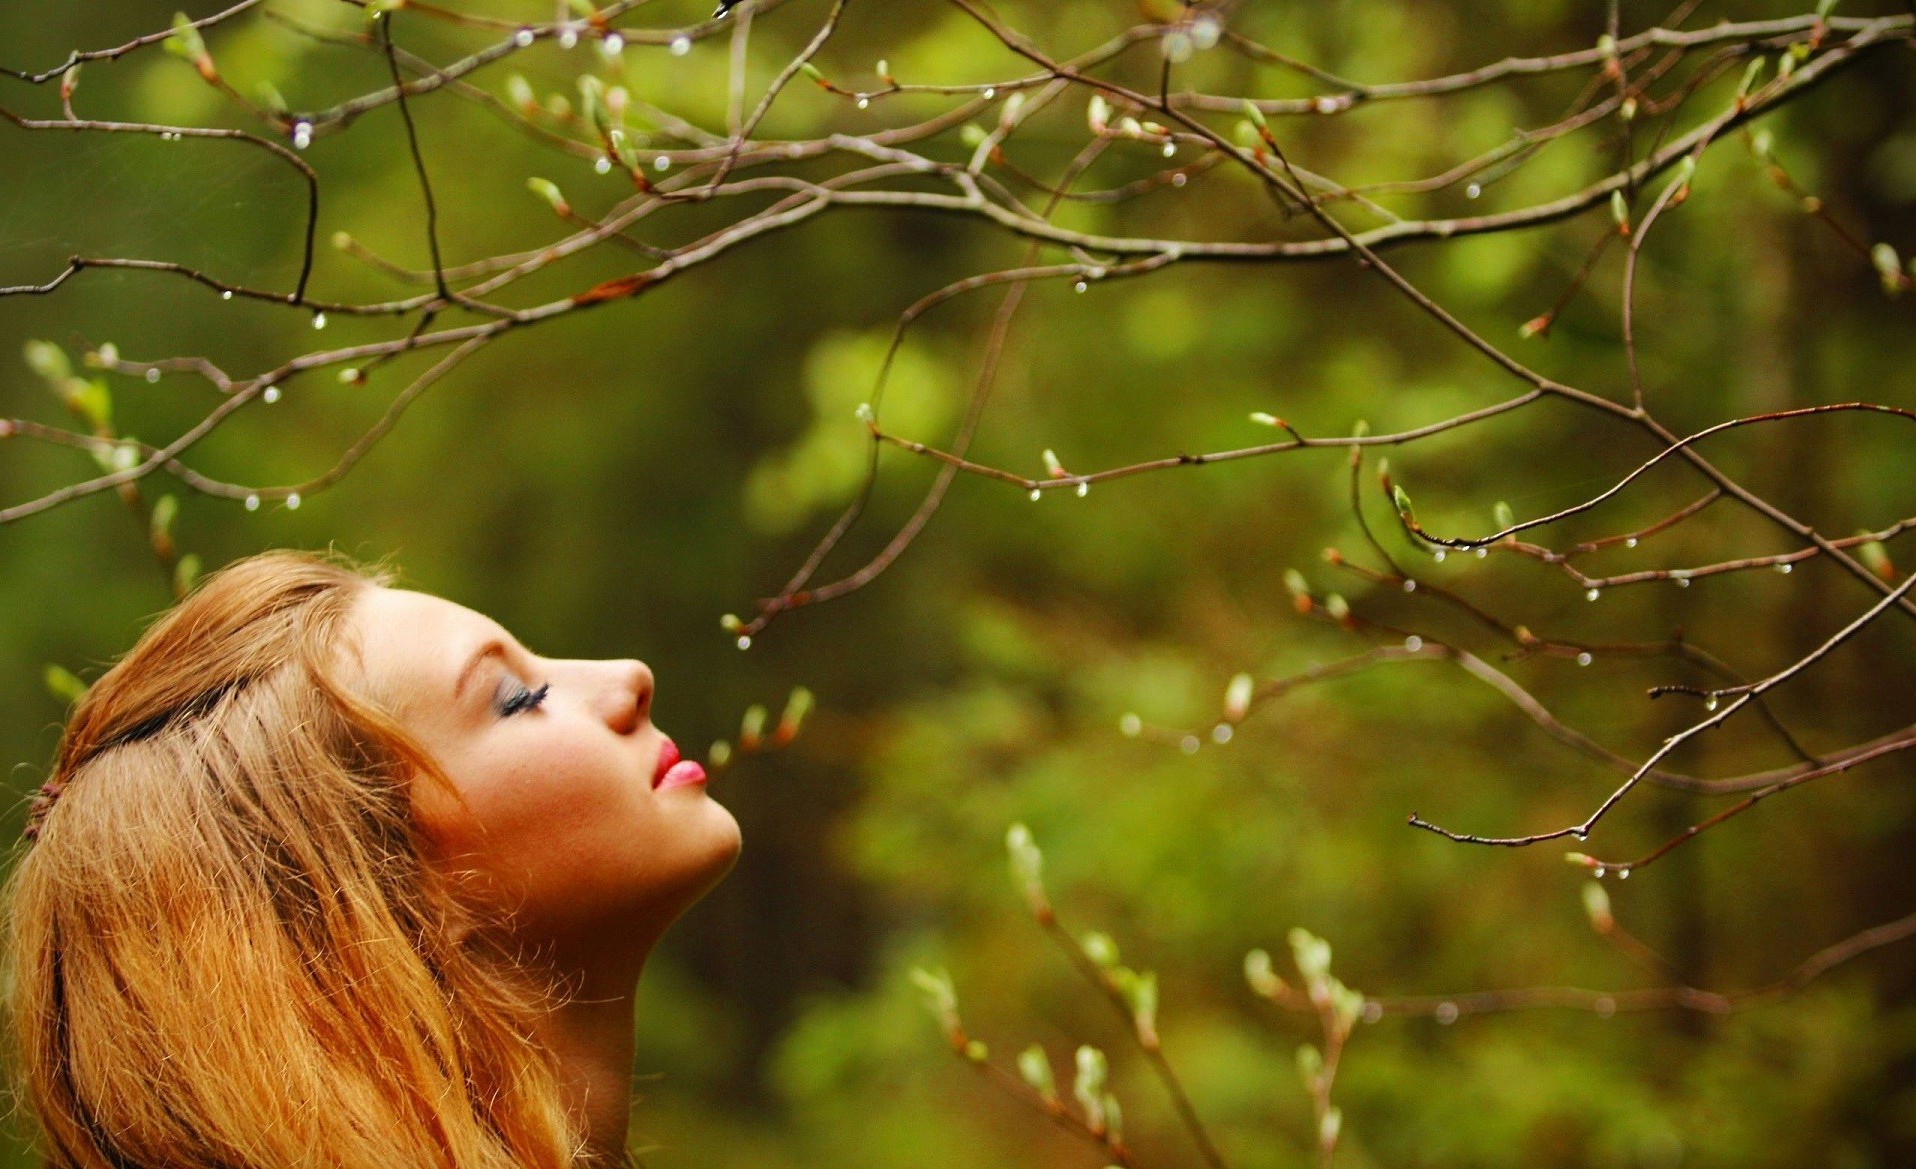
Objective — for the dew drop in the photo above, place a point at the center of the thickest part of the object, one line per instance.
(1710, 703)
(1080, 286)
(227, 295)
(1084, 489)
(152, 375)
(1438, 555)
(612, 45)
(661, 163)
(1630, 543)
(1373, 1010)
(745, 641)
(1623, 874)
(1221, 733)
(292, 501)
(319, 320)
(989, 93)
(302, 135)
(1170, 150)
(1583, 659)
(603, 165)
(1130, 726)
(1446, 1013)
(1472, 191)
(1580, 834)
(1328, 105)
(1784, 569)
(1683, 582)
(1592, 594)
(1036, 494)
(1179, 179)
(1410, 586)
(270, 395)
(681, 46)
(252, 503)
(523, 38)
(1414, 643)
(1189, 744)
(350, 376)
(1597, 872)
(1605, 1006)
(569, 38)
(864, 103)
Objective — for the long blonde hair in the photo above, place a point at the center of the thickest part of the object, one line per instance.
(228, 946)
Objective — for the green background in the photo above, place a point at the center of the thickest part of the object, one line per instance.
(608, 484)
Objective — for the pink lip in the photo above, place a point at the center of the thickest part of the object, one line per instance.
(674, 771)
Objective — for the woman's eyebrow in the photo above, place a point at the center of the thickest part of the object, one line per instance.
(491, 649)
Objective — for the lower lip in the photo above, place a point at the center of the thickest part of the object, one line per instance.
(682, 774)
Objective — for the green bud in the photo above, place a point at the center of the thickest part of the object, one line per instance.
(1034, 1067)
(592, 104)
(797, 706)
(730, 623)
(186, 574)
(549, 191)
(1751, 73)
(519, 90)
(1504, 516)
(1027, 867)
(1262, 978)
(1310, 1065)
(1401, 500)
(1875, 557)
(1088, 1086)
(1596, 904)
(1255, 113)
(1263, 419)
(1889, 266)
(1237, 696)
(1337, 607)
(810, 70)
(1361, 429)
(976, 1051)
(1824, 8)
(1620, 209)
(270, 98)
(972, 135)
(160, 524)
(940, 997)
(1246, 136)
(864, 413)
(1763, 143)
(64, 684)
(1329, 1126)
(1113, 1119)
(1052, 466)
(1312, 954)
(48, 360)
(185, 41)
(1099, 947)
(751, 726)
(720, 754)
(1295, 583)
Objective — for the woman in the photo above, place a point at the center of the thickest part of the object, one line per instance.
(332, 873)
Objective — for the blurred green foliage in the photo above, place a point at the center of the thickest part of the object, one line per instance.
(612, 482)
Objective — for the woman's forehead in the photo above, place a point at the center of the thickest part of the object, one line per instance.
(411, 643)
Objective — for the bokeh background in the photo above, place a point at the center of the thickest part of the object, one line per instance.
(610, 483)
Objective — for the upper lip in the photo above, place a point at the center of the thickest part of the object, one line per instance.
(668, 755)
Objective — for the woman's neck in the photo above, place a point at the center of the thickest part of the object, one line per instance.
(591, 1040)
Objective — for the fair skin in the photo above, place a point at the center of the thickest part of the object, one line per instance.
(555, 821)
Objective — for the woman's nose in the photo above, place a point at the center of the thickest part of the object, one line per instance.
(629, 697)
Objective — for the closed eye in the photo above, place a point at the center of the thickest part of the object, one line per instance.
(514, 696)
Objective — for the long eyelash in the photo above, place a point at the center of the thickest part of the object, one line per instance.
(523, 699)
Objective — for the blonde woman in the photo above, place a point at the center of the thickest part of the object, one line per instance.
(332, 873)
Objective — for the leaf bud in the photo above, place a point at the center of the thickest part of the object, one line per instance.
(64, 684)
(549, 191)
(1099, 947)
(1505, 517)
(1620, 211)
(1596, 904)
(720, 754)
(1255, 113)
(1052, 466)
(1034, 1068)
(1262, 978)
(1263, 419)
(1027, 868)
(1237, 697)
(1875, 557)
(751, 727)
(1889, 266)
(1310, 1066)
(1088, 1086)
(941, 998)
(520, 91)
(1312, 955)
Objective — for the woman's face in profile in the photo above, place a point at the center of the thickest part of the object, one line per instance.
(572, 811)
